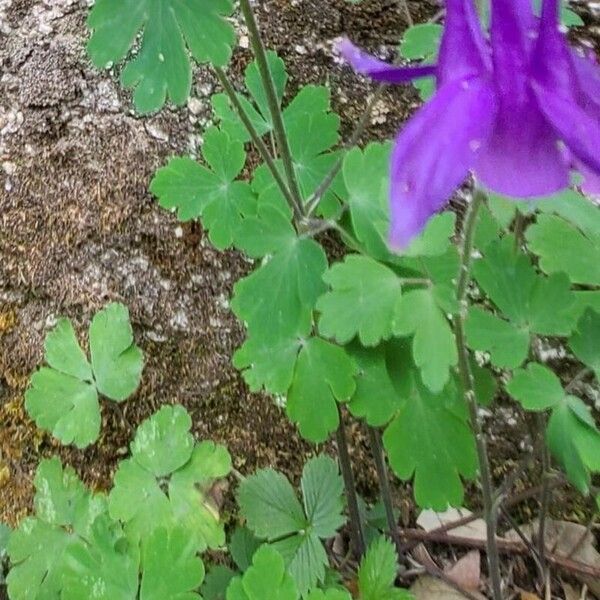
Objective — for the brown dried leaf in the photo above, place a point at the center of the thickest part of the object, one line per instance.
(466, 572)
(430, 588)
(430, 520)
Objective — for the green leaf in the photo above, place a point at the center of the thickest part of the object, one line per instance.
(575, 441)
(376, 399)
(377, 573)
(171, 568)
(277, 299)
(435, 239)
(190, 494)
(438, 421)
(324, 373)
(257, 107)
(507, 344)
(116, 360)
(421, 41)
(163, 443)
(66, 406)
(171, 28)
(166, 483)
(579, 255)
(36, 572)
(585, 342)
(532, 304)
(331, 594)
(322, 490)
(536, 388)
(434, 347)
(106, 567)
(216, 582)
(266, 578)
(366, 175)
(242, 546)
(208, 192)
(64, 354)
(362, 301)
(137, 499)
(271, 508)
(268, 364)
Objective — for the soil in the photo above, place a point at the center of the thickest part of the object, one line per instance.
(78, 228)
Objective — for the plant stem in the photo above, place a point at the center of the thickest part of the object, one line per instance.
(384, 486)
(274, 106)
(313, 201)
(256, 139)
(544, 498)
(464, 277)
(358, 539)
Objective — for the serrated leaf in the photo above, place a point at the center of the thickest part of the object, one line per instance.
(116, 361)
(36, 572)
(331, 594)
(362, 301)
(585, 342)
(507, 344)
(161, 67)
(578, 255)
(324, 374)
(242, 546)
(377, 573)
(322, 489)
(266, 578)
(208, 192)
(216, 582)
(376, 399)
(66, 406)
(163, 443)
(171, 569)
(536, 388)
(433, 421)
(277, 299)
(270, 506)
(106, 568)
(434, 347)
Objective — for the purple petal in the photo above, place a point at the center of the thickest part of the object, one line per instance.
(591, 179)
(577, 126)
(463, 50)
(522, 157)
(379, 70)
(587, 72)
(434, 151)
(563, 101)
(510, 48)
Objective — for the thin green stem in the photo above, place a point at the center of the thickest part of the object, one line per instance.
(356, 530)
(273, 102)
(254, 135)
(464, 278)
(384, 486)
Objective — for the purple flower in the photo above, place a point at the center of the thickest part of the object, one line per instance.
(520, 110)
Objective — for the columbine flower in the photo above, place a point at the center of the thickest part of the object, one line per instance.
(519, 111)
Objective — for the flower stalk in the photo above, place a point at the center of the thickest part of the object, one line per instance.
(466, 375)
(256, 139)
(274, 106)
(356, 530)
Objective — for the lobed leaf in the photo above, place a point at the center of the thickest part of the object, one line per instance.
(171, 28)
